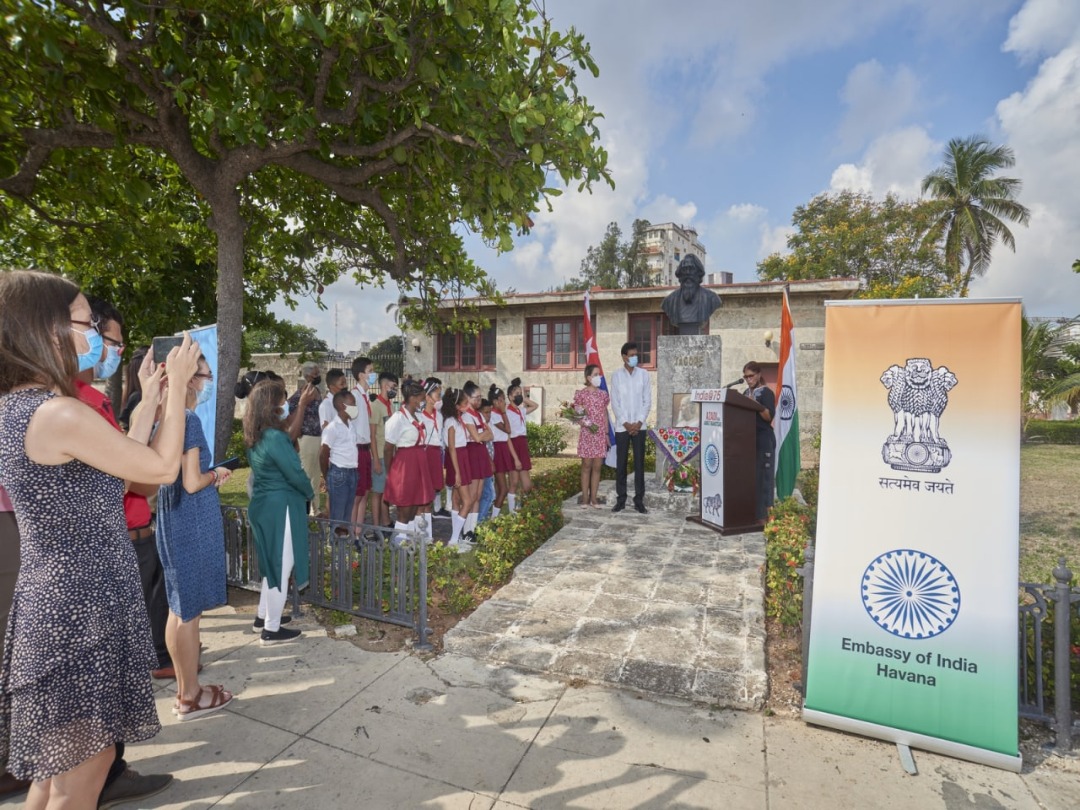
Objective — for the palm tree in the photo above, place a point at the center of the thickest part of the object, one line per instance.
(970, 205)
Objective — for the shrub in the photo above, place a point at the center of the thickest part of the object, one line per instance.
(789, 528)
(1053, 432)
(236, 443)
(808, 485)
(545, 440)
(608, 473)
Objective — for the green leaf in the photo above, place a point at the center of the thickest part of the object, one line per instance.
(536, 153)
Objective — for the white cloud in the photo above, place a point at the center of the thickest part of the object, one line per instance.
(1040, 124)
(774, 239)
(667, 209)
(894, 163)
(1043, 27)
(876, 102)
(360, 314)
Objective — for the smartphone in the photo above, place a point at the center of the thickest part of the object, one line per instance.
(229, 464)
(162, 346)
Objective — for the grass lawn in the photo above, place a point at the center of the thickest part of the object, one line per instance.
(234, 491)
(1049, 509)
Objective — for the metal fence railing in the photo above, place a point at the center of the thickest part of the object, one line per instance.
(1045, 647)
(372, 575)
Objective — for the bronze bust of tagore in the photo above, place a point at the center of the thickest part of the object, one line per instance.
(690, 306)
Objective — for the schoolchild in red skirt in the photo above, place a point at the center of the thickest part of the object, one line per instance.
(507, 463)
(408, 482)
(363, 372)
(458, 469)
(519, 406)
(432, 421)
(479, 460)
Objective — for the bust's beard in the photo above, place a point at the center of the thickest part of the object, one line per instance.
(688, 296)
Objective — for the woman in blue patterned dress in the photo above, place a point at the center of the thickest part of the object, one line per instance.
(75, 673)
(191, 544)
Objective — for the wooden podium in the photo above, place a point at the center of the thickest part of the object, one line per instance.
(728, 460)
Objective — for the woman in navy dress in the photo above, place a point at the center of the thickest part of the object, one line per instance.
(75, 673)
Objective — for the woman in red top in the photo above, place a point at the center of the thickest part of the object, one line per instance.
(593, 439)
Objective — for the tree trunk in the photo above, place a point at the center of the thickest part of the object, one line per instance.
(227, 223)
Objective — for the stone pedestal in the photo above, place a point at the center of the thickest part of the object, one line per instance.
(683, 363)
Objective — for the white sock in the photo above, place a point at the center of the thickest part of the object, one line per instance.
(470, 522)
(495, 511)
(512, 502)
(401, 531)
(427, 531)
(437, 503)
(459, 524)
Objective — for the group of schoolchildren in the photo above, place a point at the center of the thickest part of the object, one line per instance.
(413, 440)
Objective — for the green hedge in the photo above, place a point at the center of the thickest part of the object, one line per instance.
(788, 530)
(1053, 432)
(545, 441)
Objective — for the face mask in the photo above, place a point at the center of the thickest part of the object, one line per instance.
(352, 411)
(391, 394)
(372, 378)
(90, 358)
(519, 399)
(107, 367)
(205, 393)
(285, 410)
(316, 379)
(596, 381)
(632, 361)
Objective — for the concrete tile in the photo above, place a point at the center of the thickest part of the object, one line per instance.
(516, 592)
(524, 652)
(807, 761)
(555, 599)
(651, 676)
(311, 775)
(722, 622)
(588, 664)
(664, 645)
(693, 593)
(602, 635)
(1052, 785)
(513, 684)
(624, 582)
(555, 778)
(208, 758)
(620, 608)
(462, 641)
(552, 628)
(688, 617)
(577, 580)
(492, 617)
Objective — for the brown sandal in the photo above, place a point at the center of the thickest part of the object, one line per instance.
(190, 709)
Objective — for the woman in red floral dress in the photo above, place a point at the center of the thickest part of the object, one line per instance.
(593, 438)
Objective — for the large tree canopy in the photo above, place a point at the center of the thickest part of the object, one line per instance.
(371, 131)
(614, 264)
(848, 234)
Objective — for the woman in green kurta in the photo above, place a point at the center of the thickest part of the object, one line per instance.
(278, 509)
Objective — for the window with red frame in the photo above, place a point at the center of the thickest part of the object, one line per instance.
(468, 352)
(643, 330)
(554, 343)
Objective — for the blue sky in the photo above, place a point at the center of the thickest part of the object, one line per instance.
(726, 115)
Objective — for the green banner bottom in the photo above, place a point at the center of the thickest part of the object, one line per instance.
(914, 740)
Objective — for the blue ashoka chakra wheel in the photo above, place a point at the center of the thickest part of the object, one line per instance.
(786, 406)
(911, 594)
(712, 459)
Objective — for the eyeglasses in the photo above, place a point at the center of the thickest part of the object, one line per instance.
(749, 376)
(93, 323)
(203, 376)
(116, 344)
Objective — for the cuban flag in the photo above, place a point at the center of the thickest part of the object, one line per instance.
(593, 356)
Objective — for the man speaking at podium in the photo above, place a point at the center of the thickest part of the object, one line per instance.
(766, 439)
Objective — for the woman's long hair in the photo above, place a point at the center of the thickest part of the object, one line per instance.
(263, 410)
(36, 342)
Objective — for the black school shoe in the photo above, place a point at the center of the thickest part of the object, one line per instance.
(278, 636)
(260, 624)
(618, 507)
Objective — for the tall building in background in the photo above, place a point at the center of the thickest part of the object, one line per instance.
(665, 245)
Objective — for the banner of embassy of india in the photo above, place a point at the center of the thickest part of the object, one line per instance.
(913, 636)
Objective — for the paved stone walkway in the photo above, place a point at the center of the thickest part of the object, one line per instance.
(649, 602)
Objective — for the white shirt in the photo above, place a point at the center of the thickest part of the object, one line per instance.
(497, 434)
(327, 414)
(433, 427)
(341, 439)
(401, 430)
(362, 423)
(631, 397)
(516, 419)
(476, 420)
(460, 437)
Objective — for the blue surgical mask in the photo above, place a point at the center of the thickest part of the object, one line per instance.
(90, 358)
(372, 378)
(107, 367)
(205, 393)
(285, 410)
(632, 361)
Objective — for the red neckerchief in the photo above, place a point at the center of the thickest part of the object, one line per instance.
(479, 417)
(432, 417)
(418, 425)
(385, 402)
(514, 408)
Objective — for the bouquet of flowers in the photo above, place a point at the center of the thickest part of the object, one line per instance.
(576, 415)
(683, 477)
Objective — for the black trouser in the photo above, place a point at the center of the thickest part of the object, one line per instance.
(623, 442)
(766, 473)
(153, 588)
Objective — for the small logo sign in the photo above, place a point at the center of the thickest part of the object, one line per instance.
(918, 395)
(712, 459)
(910, 594)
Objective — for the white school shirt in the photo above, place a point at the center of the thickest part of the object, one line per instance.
(631, 397)
(460, 436)
(362, 423)
(341, 439)
(497, 433)
(517, 421)
(476, 421)
(327, 414)
(433, 427)
(401, 431)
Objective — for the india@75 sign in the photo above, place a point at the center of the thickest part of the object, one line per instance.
(913, 635)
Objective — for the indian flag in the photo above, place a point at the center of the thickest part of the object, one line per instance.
(786, 425)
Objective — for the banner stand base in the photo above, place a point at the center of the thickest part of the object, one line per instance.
(906, 759)
(982, 756)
